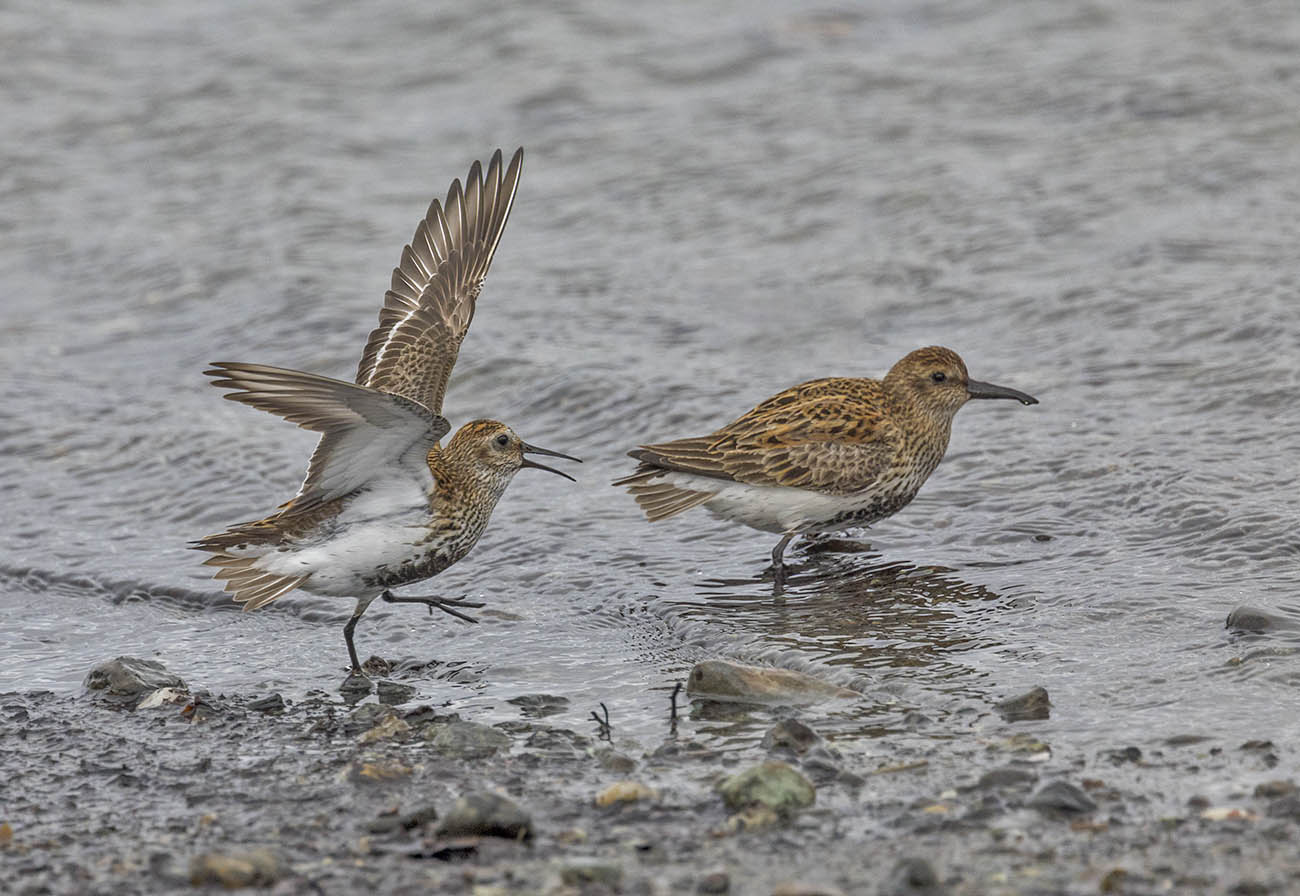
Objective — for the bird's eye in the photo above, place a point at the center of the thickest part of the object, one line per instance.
(938, 376)
(503, 440)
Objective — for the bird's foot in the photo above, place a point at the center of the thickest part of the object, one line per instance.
(448, 605)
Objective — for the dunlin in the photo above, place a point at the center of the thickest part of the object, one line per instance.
(823, 456)
(383, 503)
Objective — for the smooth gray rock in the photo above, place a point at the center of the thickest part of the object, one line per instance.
(912, 877)
(131, 677)
(1062, 797)
(1029, 706)
(467, 740)
(487, 815)
(721, 680)
(772, 784)
(790, 734)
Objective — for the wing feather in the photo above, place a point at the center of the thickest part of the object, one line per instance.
(826, 435)
(365, 433)
(430, 302)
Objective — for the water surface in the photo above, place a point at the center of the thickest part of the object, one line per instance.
(1096, 204)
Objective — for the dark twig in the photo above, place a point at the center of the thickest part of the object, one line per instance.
(672, 715)
(606, 730)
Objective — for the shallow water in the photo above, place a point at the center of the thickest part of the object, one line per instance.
(1096, 204)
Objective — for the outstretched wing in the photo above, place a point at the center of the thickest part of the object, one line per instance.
(365, 433)
(427, 311)
(825, 435)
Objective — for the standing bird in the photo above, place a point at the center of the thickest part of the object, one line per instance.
(383, 503)
(823, 456)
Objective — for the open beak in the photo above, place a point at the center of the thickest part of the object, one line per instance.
(533, 449)
(976, 389)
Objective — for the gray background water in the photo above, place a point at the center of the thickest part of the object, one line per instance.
(1096, 203)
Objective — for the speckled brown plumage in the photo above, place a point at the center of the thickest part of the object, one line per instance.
(857, 450)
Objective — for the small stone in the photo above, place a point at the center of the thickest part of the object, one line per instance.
(579, 872)
(721, 680)
(1253, 619)
(791, 735)
(772, 784)
(912, 877)
(367, 716)
(1128, 754)
(269, 703)
(1228, 813)
(379, 771)
(467, 740)
(801, 889)
(1007, 776)
(1032, 705)
(486, 815)
(1285, 807)
(1063, 797)
(164, 697)
(613, 761)
(751, 818)
(715, 883)
(387, 728)
(356, 686)
(393, 821)
(539, 706)
(130, 677)
(254, 868)
(393, 693)
(1273, 789)
(624, 792)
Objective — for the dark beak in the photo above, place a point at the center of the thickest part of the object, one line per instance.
(976, 389)
(533, 449)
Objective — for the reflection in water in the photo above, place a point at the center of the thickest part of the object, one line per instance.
(897, 632)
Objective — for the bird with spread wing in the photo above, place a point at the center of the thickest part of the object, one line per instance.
(384, 503)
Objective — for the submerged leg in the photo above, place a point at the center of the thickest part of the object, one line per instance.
(362, 603)
(778, 564)
(446, 604)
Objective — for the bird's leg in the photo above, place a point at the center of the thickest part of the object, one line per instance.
(446, 604)
(347, 636)
(778, 564)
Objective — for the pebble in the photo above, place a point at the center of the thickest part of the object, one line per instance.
(467, 740)
(131, 677)
(1063, 797)
(790, 735)
(254, 868)
(485, 814)
(715, 883)
(624, 792)
(394, 693)
(1030, 706)
(722, 680)
(387, 728)
(802, 889)
(912, 877)
(164, 697)
(539, 706)
(394, 821)
(1273, 789)
(580, 872)
(772, 784)
(1007, 776)
(1253, 619)
(269, 703)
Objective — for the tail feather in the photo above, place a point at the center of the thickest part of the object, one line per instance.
(659, 499)
(248, 584)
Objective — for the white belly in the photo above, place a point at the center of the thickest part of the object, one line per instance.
(374, 532)
(771, 508)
